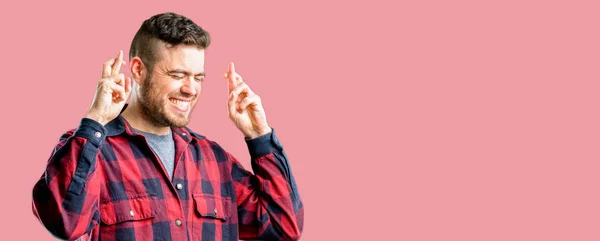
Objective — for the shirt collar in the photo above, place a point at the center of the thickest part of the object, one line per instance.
(120, 125)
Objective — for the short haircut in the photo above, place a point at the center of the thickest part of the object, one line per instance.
(170, 28)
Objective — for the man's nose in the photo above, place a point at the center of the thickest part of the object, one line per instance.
(189, 86)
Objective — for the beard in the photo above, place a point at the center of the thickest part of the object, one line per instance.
(153, 107)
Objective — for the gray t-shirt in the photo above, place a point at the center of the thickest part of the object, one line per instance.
(164, 147)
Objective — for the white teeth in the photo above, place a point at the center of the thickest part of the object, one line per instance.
(180, 103)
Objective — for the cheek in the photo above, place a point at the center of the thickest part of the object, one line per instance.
(172, 89)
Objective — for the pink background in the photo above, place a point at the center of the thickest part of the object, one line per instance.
(436, 120)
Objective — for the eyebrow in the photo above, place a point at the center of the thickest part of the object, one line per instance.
(180, 71)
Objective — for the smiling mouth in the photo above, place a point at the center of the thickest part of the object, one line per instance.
(180, 104)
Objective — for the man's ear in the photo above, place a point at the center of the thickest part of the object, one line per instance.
(138, 70)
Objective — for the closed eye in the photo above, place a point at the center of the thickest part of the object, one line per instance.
(177, 76)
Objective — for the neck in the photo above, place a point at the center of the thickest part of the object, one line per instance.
(135, 117)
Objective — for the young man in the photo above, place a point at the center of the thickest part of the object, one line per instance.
(136, 172)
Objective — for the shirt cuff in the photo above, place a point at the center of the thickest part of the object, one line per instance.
(263, 145)
(93, 131)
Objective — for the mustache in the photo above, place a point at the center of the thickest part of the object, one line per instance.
(184, 96)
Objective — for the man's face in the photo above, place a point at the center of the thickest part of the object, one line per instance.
(170, 91)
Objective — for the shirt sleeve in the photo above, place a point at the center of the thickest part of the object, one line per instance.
(65, 199)
(269, 206)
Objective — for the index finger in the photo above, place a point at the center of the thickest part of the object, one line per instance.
(237, 79)
(231, 68)
(116, 68)
(231, 83)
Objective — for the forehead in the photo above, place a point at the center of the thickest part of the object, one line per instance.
(185, 57)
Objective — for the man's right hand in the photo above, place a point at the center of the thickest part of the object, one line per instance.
(112, 92)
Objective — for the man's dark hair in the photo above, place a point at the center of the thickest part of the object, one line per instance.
(170, 28)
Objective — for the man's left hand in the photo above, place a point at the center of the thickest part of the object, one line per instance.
(245, 107)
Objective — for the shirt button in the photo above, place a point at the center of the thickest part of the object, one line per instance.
(178, 222)
(98, 134)
(183, 134)
(216, 211)
(131, 213)
(179, 186)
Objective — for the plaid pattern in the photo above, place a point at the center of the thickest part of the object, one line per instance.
(106, 183)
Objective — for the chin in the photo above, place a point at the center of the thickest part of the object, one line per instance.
(179, 121)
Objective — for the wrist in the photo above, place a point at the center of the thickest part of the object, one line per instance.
(258, 133)
(97, 117)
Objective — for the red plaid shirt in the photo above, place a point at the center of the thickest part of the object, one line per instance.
(106, 183)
